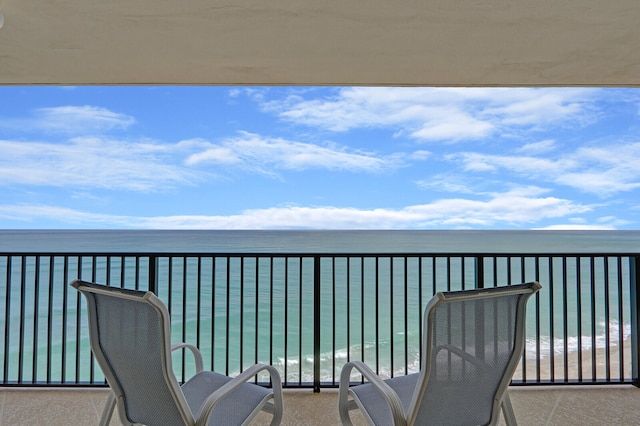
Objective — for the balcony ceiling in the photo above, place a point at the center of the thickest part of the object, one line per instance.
(329, 42)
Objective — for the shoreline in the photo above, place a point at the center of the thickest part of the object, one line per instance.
(590, 360)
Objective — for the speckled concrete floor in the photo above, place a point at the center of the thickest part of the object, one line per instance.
(533, 406)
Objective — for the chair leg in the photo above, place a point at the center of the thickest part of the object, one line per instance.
(507, 411)
(107, 412)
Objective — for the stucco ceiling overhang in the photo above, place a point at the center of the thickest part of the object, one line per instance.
(326, 42)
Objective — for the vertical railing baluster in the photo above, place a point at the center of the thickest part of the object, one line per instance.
(377, 316)
(214, 275)
(257, 311)
(36, 305)
(153, 280)
(634, 293)
(184, 316)
(620, 321)
(50, 317)
(65, 304)
(537, 302)
(592, 266)
(199, 302)
(391, 339)
(420, 311)
(316, 323)
(7, 322)
(286, 319)
(123, 268)
(406, 317)
(300, 322)
(227, 331)
(362, 342)
(607, 320)
(479, 271)
(241, 336)
(448, 263)
(78, 319)
(333, 319)
(579, 309)
(565, 320)
(552, 325)
(21, 337)
(271, 259)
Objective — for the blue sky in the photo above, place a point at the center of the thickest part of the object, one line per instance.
(319, 158)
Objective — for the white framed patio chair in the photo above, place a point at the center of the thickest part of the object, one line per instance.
(472, 343)
(130, 338)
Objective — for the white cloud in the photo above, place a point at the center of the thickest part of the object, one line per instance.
(88, 162)
(262, 154)
(603, 170)
(541, 147)
(448, 114)
(519, 207)
(77, 120)
(446, 183)
(577, 227)
(215, 155)
(544, 107)
(535, 166)
(453, 125)
(92, 162)
(34, 212)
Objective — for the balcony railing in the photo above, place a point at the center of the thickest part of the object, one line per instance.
(307, 314)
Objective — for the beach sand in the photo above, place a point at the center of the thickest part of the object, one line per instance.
(580, 365)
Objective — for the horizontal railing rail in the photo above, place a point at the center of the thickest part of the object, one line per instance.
(309, 313)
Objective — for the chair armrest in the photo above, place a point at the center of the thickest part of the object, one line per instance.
(390, 396)
(209, 404)
(196, 354)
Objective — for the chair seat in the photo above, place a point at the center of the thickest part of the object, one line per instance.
(233, 410)
(375, 404)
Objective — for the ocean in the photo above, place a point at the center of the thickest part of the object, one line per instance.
(312, 241)
(250, 312)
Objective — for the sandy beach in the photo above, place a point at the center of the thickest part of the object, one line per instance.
(580, 365)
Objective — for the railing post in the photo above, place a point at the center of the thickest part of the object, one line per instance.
(153, 263)
(479, 271)
(635, 318)
(316, 324)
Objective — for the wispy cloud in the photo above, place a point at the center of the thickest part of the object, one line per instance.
(519, 206)
(267, 155)
(75, 120)
(601, 170)
(147, 165)
(438, 114)
(447, 182)
(92, 162)
(541, 147)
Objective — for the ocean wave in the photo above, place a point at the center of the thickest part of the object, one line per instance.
(556, 346)
(548, 347)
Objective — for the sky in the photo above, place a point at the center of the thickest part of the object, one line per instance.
(169, 157)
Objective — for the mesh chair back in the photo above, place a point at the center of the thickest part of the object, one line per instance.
(473, 341)
(129, 341)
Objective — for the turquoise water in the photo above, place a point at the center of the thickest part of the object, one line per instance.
(322, 241)
(244, 313)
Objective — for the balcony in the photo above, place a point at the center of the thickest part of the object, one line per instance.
(534, 406)
(307, 314)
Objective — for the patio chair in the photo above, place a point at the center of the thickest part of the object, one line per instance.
(130, 338)
(472, 343)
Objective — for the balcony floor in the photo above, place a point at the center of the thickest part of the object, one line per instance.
(533, 406)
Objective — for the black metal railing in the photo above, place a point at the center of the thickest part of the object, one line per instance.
(307, 314)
